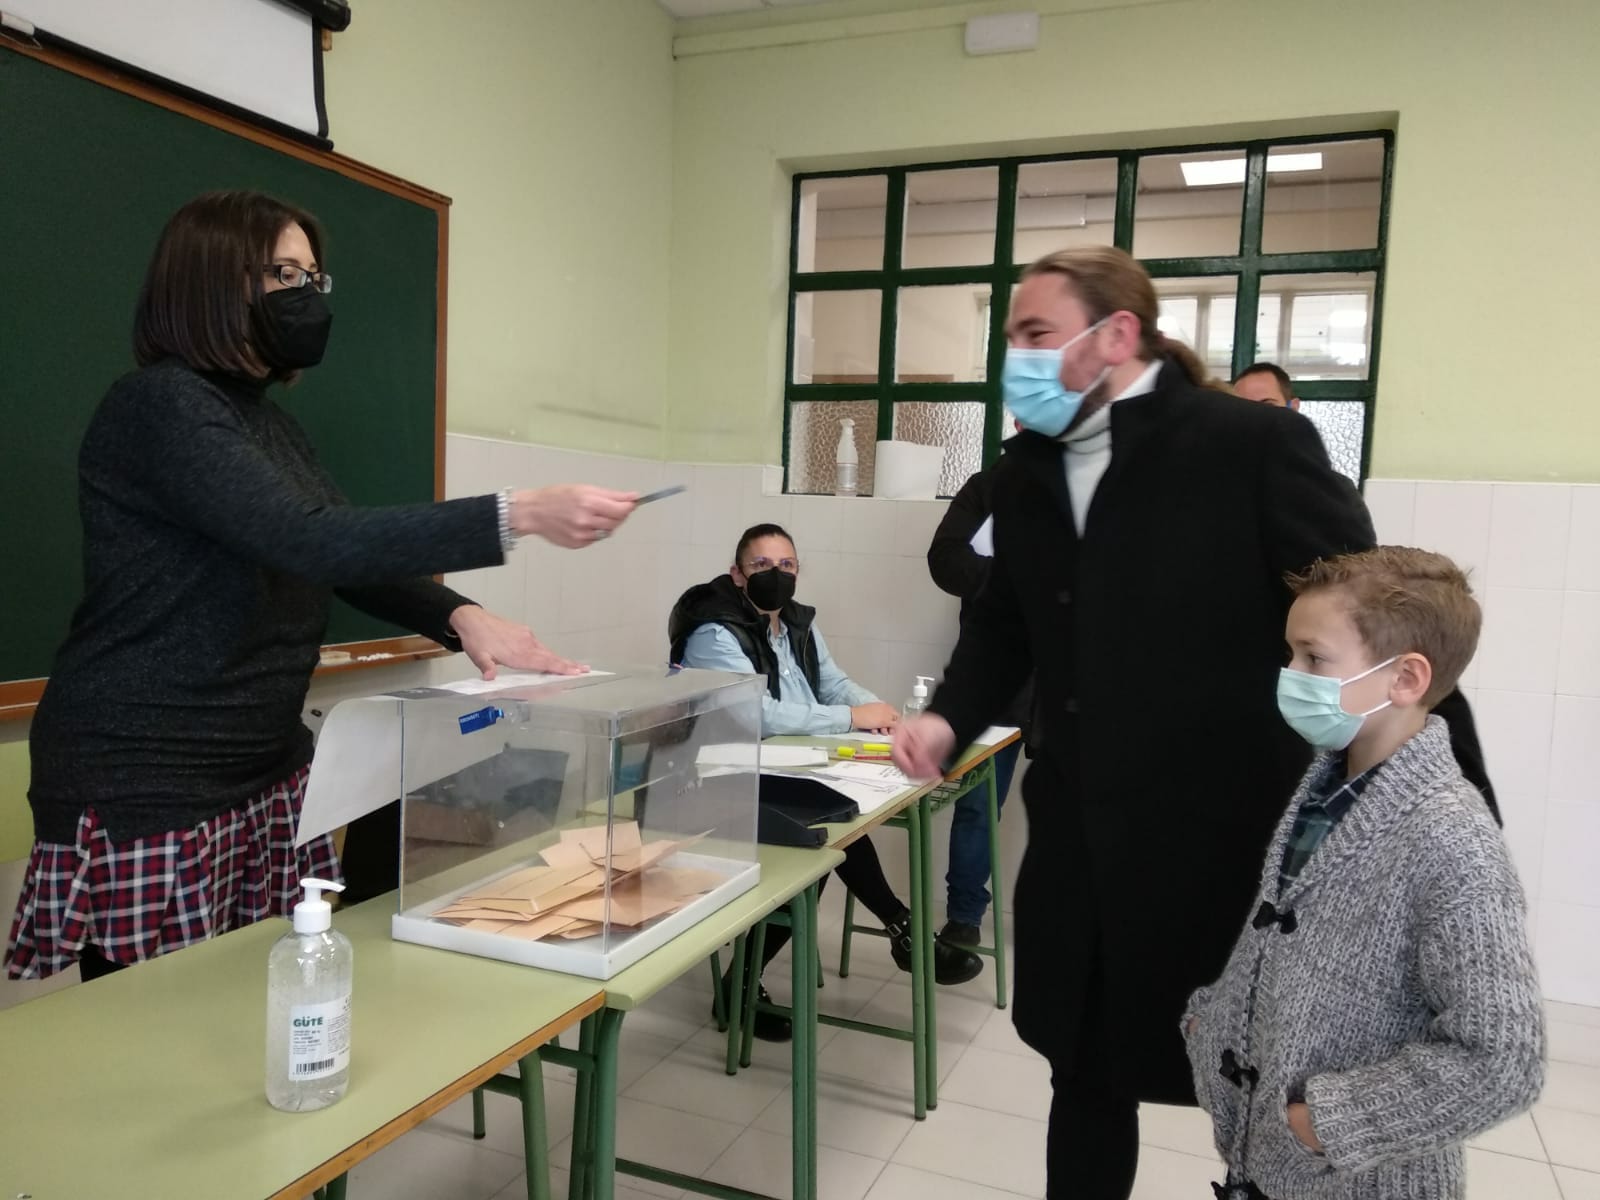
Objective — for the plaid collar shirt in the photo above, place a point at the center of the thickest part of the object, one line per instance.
(1330, 798)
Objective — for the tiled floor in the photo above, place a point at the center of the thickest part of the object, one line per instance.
(984, 1142)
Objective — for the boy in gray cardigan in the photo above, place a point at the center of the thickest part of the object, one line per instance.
(1380, 1007)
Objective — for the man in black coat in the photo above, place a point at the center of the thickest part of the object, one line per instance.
(1142, 530)
(959, 566)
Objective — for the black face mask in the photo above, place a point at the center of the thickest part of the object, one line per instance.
(769, 590)
(290, 328)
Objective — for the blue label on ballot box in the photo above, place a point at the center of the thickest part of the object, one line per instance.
(482, 719)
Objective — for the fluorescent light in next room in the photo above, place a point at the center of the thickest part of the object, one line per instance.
(1231, 170)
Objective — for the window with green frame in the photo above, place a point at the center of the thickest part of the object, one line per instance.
(900, 279)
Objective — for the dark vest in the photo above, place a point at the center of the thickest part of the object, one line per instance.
(721, 602)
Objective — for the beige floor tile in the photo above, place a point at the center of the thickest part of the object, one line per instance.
(1572, 1086)
(1185, 1130)
(763, 1162)
(1578, 1185)
(425, 1166)
(1505, 1177)
(900, 1182)
(994, 1149)
(1572, 1139)
(1518, 1137)
(1169, 1175)
(862, 1118)
(1000, 1082)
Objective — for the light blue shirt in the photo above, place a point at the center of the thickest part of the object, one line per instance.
(798, 709)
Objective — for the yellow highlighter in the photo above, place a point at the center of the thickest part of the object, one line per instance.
(866, 750)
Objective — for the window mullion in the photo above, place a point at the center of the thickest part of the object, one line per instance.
(894, 222)
(1127, 190)
(1247, 306)
(1005, 226)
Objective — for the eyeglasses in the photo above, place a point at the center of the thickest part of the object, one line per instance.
(788, 566)
(295, 277)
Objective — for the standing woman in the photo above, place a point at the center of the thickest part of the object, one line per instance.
(168, 755)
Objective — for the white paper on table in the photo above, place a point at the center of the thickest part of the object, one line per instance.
(476, 687)
(994, 735)
(875, 739)
(983, 540)
(744, 754)
(867, 772)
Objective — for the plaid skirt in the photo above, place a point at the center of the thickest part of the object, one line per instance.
(137, 899)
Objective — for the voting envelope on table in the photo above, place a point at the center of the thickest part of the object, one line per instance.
(561, 822)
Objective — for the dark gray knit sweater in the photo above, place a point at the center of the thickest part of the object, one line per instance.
(1398, 1000)
(212, 545)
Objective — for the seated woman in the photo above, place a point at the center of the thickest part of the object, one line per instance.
(748, 621)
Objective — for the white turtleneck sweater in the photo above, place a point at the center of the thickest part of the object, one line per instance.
(1088, 446)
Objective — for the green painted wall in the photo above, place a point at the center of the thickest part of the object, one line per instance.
(549, 123)
(1494, 251)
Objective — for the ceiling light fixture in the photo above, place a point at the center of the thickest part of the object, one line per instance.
(1213, 173)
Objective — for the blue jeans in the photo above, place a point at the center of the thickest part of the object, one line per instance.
(968, 876)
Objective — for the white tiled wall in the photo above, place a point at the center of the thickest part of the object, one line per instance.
(862, 561)
(1533, 549)
(1534, 553)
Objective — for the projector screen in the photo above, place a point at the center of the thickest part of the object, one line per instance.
(261, 56)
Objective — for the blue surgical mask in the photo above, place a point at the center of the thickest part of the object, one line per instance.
(1311, 706)
(1033, 391)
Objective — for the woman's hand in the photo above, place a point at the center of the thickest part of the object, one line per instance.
(921, 746)
(493, 642)
(573, 515)
(876, 717)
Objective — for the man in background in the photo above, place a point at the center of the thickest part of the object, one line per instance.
(1266, 383)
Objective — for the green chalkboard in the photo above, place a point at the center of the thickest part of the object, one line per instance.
(91, 167)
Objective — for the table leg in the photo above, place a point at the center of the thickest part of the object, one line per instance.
(535, 1138)
(603, 1178)
(997, 890)
(803, 1062)
(583, 1112)
(930, 982)
(920, 962)
(736, 1002)
(755, 951)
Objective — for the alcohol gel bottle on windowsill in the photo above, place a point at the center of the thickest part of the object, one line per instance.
(844, 459)
(309, 975)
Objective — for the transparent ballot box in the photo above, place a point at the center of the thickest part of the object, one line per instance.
(572, 824)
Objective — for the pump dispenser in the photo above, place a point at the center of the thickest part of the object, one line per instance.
(845, 459)
(309, 976)
(919, 696)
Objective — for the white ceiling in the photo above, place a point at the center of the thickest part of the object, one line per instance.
(713, 8)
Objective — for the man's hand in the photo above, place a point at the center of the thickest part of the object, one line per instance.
(877, 717)
(1300, 1125)
(922, 745)
(492, 642)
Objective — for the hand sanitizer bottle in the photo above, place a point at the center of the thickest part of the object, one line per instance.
(308, 1007)
(845, 459)
(919, 696)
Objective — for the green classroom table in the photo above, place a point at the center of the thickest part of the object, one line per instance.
(913, 811)
(787, 874)
(149, 1082)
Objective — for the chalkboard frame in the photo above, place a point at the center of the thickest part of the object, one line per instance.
(19, 697)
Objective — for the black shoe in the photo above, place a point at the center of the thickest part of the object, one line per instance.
(951, 964)
(769, 1026)
(959, 933)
